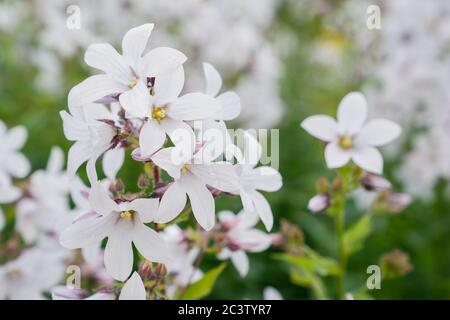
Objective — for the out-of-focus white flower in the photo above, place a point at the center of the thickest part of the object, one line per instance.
(91, 127)
(319, 202)
(8, 193)
(181, 267)
(68, 293)
(45, 209)
(242, 237)
(251, 179)
(12, 162)
(192, 173)
(133, 289)
(350, 138)
(126, 75)
(32, 273)
(123, 224)
(270, 293)
(166, 112)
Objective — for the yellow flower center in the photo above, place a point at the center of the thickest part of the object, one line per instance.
(14, 273)
(186, 167)
(158, 113)
(127, 215)
(133, 83)
(345, 142)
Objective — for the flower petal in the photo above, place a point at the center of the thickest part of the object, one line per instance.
(15, 138)
(201, 199)
(94, 88)
(134, 43)
(16, 164)
(193, 106)
(321, 127)
(263, 178)
(112, 162)
(147, 208)
(213, 80)
(378, 133)
(100, 200)
(263, 209)
(119, 252)
(133, 289)
(230, 106)
(352, 113)
(240, 262)
(74, 129)
(136, 101)
(335, 157)
(170, 159)
(150, 244)
(172, 203)
(79, 153)
(104, 57)
(168, 86)
(369, 159)
(161, 60)
(180, 133)
(151, 138)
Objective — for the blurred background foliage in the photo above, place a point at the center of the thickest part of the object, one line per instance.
(307, 87)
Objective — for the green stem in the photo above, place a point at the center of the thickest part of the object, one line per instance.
(340, 228)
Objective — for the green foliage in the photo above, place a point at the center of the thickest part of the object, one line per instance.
(205, 285)
(357, 233)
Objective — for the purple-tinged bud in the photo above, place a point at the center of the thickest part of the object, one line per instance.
(142, 181)
(396, 202)
(116, 186)
(372, 182)
(319, 203)
(322, 185)
(395, 264)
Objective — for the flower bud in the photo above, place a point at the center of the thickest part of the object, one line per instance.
(337, 184)
(396, 202)
(372, 182)
(319, 202)
(116, 186)
(142, 181)
(395, 264)
(322, 185)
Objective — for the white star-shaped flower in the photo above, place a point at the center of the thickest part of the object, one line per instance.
(350, 137)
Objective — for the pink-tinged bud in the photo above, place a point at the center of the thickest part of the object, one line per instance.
(395, 264)
(372, 182)
(142, 181)
(277, 239)
(116, 186)
(396, 202)
(136, 155)
(319, 202)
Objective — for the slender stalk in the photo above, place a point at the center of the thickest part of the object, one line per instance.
(340, 228)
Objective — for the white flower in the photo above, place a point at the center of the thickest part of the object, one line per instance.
(28, 276)
(192, 173)
(270, 293)
(133, 289)
(350, 138)
(8, 193)
(123, 224)
(126, 75)
(242, 237)
(12, 162)
(166, 112)
(46, 208)
(92, 136)
(69, 293)
(252, 179)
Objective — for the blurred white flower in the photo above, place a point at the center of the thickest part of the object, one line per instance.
(12, 162)
(251, 179)
(242, 237)
(133, 289)
(8, 193)
(68, 293)
(270, 293)
(350, 138)
(123, 224)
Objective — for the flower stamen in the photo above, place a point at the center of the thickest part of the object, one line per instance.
(186, 167)
(158, 113)
(133, 83)
(127, 215)
(345, 142)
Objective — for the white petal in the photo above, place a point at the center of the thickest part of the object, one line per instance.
(263, 178)
(180, 133)
(56, 161)
(161, 60)
(112, 162)
(16, 137)
(2, 220)
(193, 106)
(252, 149)
(133, 289)
(136, 101)
(87, 232)
(119, 253)
(335, 157)
(168, 86)
(79, 153)
(90, 254)
(230, 106)
(272, 294)
(352, 113)
(221, 176)
(134, 43)
(213, 80)
(104, 57)
(378, 133)
(246, 199)
(147, 208)
(201, 199)
(322, 127)
(100, 200)
(172, 203)
(74, 129)
(151, 138)
(16, 164)
(240, 261)
(263, 209)
(150, 244)
(94, 88)
(170, 159)
(369, 159)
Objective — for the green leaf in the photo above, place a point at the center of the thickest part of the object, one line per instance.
(306, 278)
(204, 286)
(312, 262)
(355, 236)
